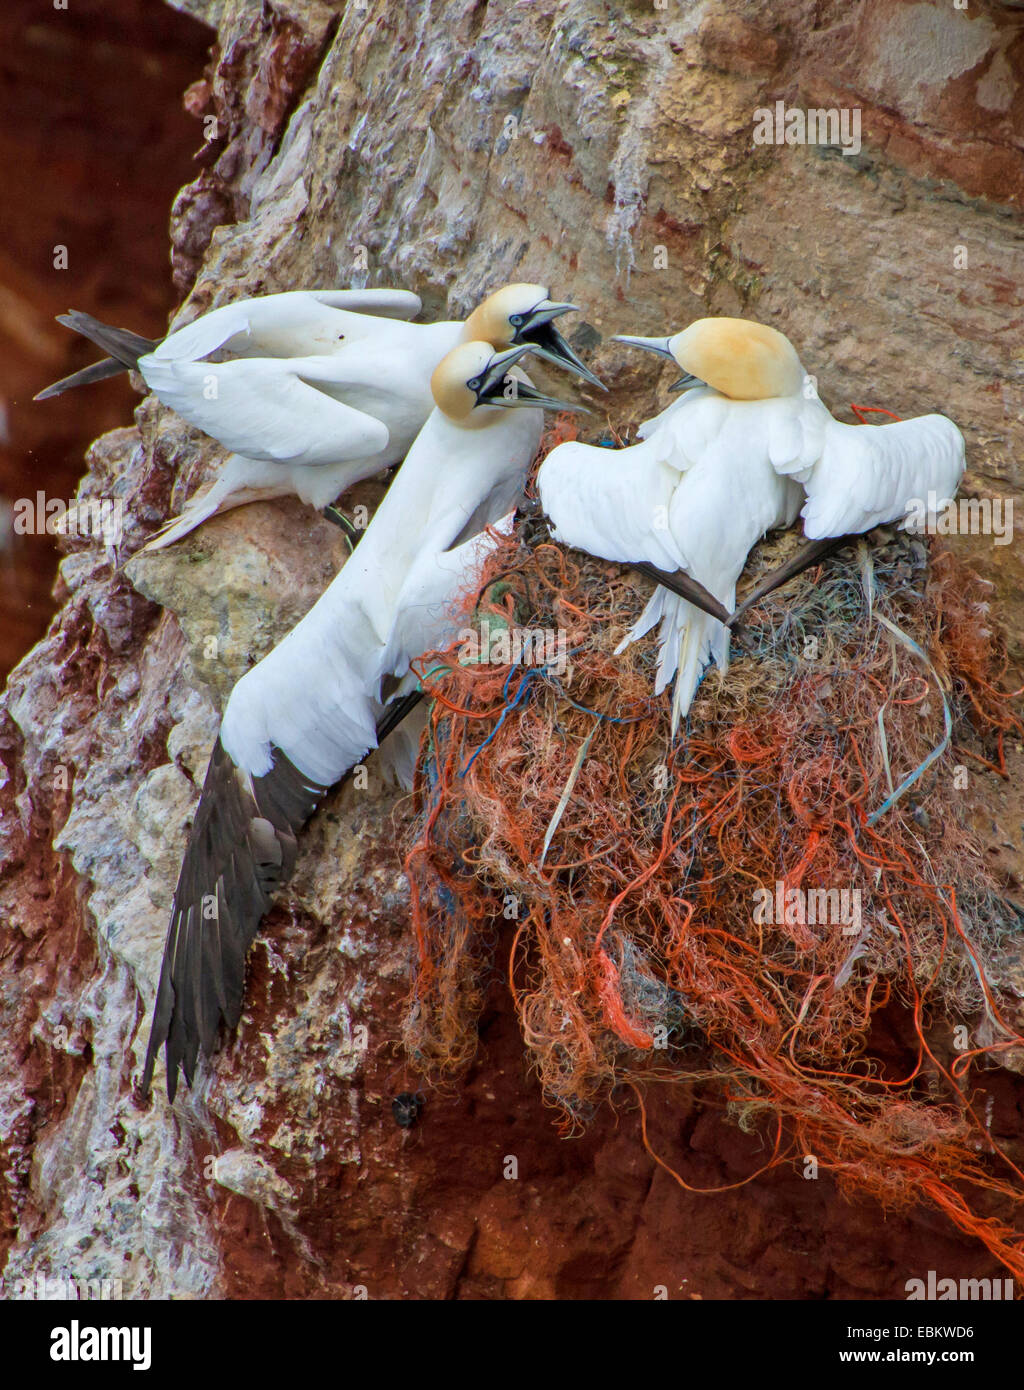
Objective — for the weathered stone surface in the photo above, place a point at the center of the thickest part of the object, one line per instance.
(451, 147)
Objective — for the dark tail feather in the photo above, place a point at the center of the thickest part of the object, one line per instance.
(99, 371)
(809, 554)
(686, 587)
(395, 712)
(126, 346)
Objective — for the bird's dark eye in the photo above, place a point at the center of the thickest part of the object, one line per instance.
(474, 385)
(340, 336)
(516, 320)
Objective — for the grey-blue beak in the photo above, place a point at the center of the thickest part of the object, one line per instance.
(538, 329)
(497, 387)
(658, 345)
(685, 382)
(661, 346)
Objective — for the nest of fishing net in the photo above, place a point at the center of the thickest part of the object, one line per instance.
(734, 909)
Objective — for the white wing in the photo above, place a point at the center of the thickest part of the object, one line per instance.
(267, 409)
(315, 695)
(385, 304)
(285, 324)
(870, 474)
(203, 335)
(310, 697)
(704, 485)
(425, 607)
(611, 502)
(702, 471)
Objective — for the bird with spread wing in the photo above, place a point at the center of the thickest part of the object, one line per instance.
(746, 448)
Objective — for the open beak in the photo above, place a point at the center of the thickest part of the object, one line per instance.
(529, 395)
(662, 346)
(538, 330)
(497, 387)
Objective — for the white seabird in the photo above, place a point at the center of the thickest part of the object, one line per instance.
(737, 455)
(309, 711)
(323, 387)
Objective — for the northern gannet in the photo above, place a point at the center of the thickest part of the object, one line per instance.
(744, 447)
(309, 711)
(321, 389)
(278, 325)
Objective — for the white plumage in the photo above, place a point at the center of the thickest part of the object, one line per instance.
(342, 396)
(309, 711)
(318, 392)
(871, 474)
(695, 495)
(730, 460)
(308, 426)
(297, 323)
(339, 396)
(317, 695)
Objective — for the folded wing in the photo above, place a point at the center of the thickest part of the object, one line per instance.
(281, 325)
(267, 408)
(385, 304)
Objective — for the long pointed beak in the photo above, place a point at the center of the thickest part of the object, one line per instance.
(663, 348)
(501, 361)
(685, 382)
(529, 395)
(547, 342)
(658, 345)
(493, 389)
(549, 309)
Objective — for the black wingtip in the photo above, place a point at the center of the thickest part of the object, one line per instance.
(230, 856)
(152, 1052)
(810, 553)
(686, 587)
(146, 1084)
(396, 712)
(121, 343)
(99, 371)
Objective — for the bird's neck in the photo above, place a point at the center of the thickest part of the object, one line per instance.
(483, 418)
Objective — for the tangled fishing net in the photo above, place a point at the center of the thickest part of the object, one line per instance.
(739, 909)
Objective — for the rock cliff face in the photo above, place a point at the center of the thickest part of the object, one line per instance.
(608, 151)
